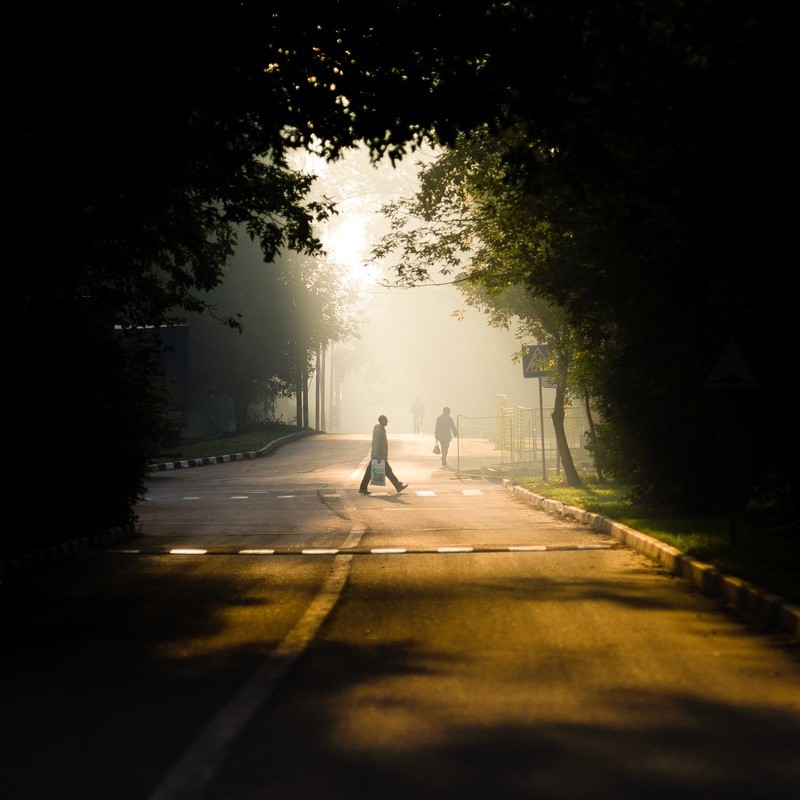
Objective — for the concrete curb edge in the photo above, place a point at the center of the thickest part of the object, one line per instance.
(61, 551)
(204, 462)
(768, 608)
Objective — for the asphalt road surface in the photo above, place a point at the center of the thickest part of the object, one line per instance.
(274, 635)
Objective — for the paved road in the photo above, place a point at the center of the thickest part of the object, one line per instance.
(274, 634)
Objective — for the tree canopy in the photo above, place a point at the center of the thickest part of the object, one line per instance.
(138, 147)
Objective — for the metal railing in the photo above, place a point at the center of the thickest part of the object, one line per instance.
(520, 440)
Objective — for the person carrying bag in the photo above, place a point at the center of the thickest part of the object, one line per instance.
(379, 457)
(445, 431)
(378, 474)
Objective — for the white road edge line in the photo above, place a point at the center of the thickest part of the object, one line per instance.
(191, 774)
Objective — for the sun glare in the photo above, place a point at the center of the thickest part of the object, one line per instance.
(346, 245)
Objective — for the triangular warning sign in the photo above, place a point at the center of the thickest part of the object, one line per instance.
(534, 359)
(730, 373)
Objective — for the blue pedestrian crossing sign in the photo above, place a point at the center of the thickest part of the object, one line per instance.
(534, 360)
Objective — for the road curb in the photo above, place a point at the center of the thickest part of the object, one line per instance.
(768, 608)
(61, 551)
(204, 462)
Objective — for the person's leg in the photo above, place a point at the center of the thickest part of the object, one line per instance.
(367, 476)
(398, 485)
(391, 477)
(445, 445)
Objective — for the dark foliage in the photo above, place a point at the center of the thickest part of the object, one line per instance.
(135, 150)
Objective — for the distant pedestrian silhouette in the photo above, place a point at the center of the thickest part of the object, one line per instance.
(445, 431)
(418, 412)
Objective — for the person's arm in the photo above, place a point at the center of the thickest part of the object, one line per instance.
(375, 451)
(385, 444)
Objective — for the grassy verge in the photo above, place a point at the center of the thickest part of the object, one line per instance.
(764, 554)
(187, 450)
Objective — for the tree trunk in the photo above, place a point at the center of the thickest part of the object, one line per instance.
(306, 421)
(598, 459)
(570, 473)
(319, 423)
(299, 391)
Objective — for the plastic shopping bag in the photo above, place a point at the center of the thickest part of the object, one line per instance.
(378, 473)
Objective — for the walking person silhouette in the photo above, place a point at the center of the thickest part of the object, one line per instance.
(380, 451)
(445, 431)
(418, 412)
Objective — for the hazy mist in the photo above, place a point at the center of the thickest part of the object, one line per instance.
(410, 343)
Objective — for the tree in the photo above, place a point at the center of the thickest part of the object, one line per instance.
(285, 316)
(645, 119)
(324, 307)
(250, 362)
(468, 218)
(662, 128)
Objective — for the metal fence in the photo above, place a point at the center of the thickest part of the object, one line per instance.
(519, 440)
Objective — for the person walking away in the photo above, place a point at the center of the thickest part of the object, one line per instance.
(418, 412)
(445, 431)
(380, 450)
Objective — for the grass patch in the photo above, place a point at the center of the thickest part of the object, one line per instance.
(230, 444)
(765, 554)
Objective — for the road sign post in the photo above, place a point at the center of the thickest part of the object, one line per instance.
(731, 377)
(534, 360)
